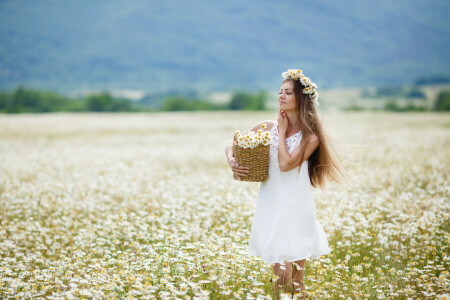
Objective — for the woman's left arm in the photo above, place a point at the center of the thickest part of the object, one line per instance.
(288, 161)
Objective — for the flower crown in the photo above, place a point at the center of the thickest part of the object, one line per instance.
(310, 87)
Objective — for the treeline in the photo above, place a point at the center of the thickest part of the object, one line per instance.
(411, 99)
(239, 101)
(23, 100)
(442, 103)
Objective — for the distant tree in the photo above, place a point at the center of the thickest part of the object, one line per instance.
(247, 101)
(179, 103)
(391, 105)
(121, 105)
(4, 101)
(259, 101)
(239, 101)
(26, 100)
(105, 102)
(175, 104)
(443, 101)
(99, 102)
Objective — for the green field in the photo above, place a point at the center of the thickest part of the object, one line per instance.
(144, 205)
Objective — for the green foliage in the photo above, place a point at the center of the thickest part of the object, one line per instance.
(353, 107)
(23, 100)
(392, 105)
(33, 101)
(239, 101)
(104, 102)
(179, 103)
(443, 102)
(247, 101)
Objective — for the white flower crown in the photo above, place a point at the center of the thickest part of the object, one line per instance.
(310, 87)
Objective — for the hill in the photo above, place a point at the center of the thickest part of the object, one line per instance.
(218, 46)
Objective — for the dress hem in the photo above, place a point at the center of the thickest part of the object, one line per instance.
(311, 255)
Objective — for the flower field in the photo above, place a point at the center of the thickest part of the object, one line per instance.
(101, 206)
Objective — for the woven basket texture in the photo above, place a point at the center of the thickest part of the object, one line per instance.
(256, 159)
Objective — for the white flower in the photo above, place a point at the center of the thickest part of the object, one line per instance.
(308, 90)
(305, 81)
(253, 139)
(310, 87)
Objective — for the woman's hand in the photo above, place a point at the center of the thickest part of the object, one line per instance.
(282, 121)
(238, 170)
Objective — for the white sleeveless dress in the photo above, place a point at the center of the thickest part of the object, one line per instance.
(285, 228)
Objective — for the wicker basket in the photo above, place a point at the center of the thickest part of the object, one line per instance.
(256, 159)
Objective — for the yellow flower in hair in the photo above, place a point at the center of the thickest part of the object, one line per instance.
(259, 131)
(263, 126)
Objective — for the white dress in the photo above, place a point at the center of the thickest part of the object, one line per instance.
(285, 228)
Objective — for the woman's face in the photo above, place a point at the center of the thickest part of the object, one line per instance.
(286, 96)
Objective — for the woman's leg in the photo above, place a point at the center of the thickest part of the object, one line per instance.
(275, 283)
(285, 277)
(297, 275)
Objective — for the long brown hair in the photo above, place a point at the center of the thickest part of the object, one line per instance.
(324, 162)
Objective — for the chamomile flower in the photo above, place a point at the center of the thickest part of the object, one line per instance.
(310, 87)
(253, 139)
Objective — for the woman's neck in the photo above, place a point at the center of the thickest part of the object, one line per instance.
(293, 125)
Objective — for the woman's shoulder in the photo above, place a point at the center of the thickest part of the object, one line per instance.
(264, 125)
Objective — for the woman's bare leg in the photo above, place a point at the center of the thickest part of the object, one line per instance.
(285, 278)
(288, 278)
(279, 282)
(297, 275)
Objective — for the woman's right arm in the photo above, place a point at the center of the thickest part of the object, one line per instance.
(268, 126)
(238, 170)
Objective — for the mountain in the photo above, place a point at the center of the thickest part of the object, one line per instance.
(219, 45)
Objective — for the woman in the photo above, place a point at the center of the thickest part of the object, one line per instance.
(285, 228)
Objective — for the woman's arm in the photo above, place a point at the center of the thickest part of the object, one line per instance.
(288, 161)
(238, 170)
(269, 125)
